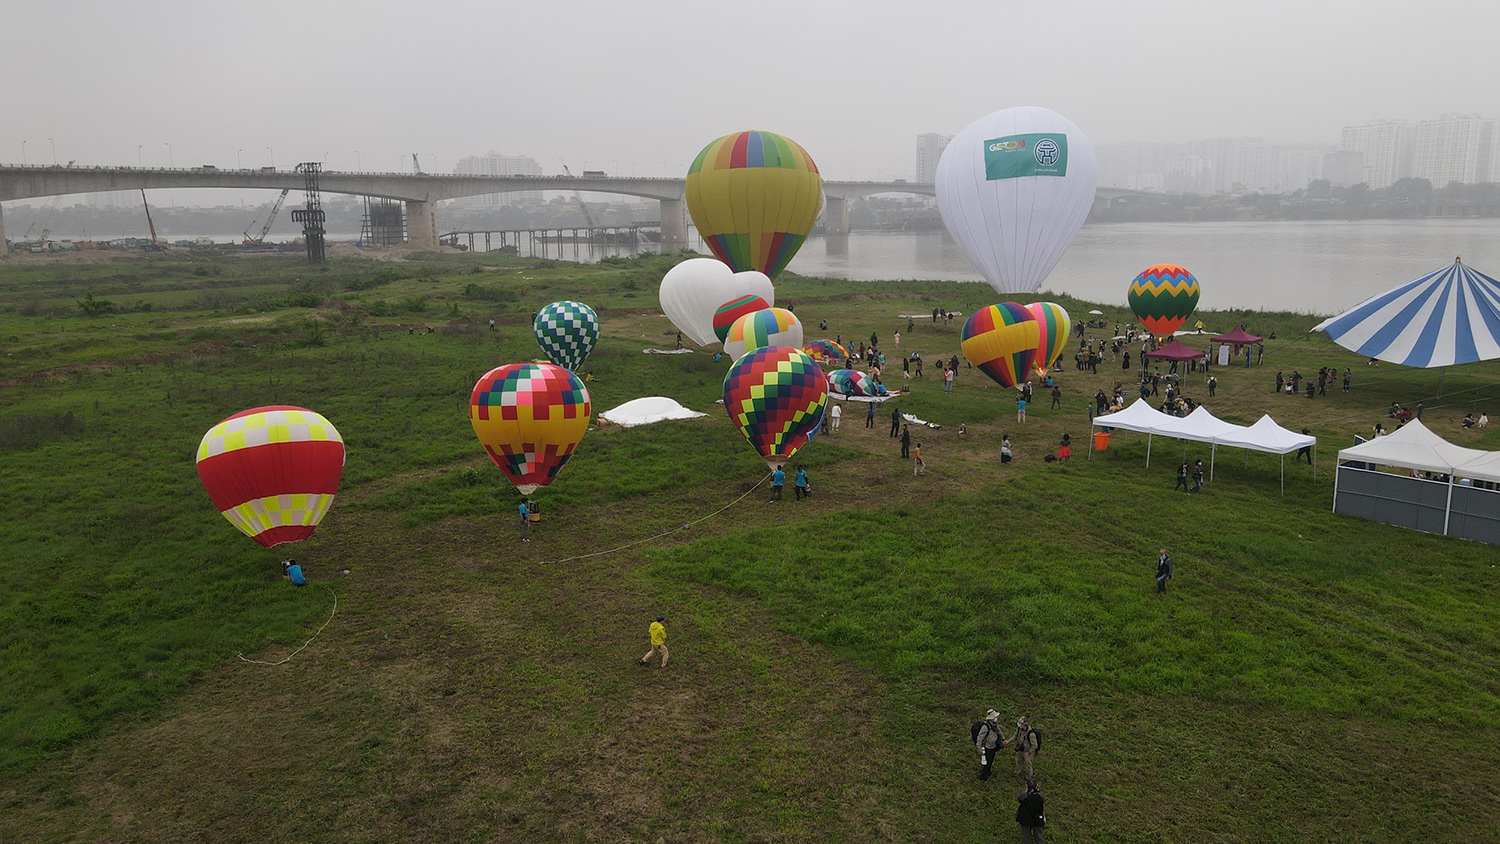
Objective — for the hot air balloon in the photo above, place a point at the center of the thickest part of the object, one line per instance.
(272, 471)
(567, 331)
(1163, 297)
(1054, 328)
(1013, 189)
(766, 327)
(826, 353)
(851, 383)
(776, 397)
(754, 197)
(733, 310)
(693, 290)
(529, 417)
(1001, 341)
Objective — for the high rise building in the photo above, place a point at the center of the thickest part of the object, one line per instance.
(496, 164)
(1386, 145)
(1343, 168)
(929, 149)
(1190, 174)
(1452, 148)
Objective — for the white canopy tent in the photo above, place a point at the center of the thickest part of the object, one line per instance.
(1204, 427)
(1414, 446)
(1140, 417)
(1266, 435)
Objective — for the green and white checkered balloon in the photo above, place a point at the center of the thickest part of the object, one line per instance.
(567, 331)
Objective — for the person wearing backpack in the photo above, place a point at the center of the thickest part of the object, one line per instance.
(1028, 742)
(987, 739)
(1030, 814)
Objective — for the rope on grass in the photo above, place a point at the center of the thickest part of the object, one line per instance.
(304, 644)
(663, 533)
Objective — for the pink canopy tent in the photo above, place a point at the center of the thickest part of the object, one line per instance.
(1175, 350)
(1239, 337)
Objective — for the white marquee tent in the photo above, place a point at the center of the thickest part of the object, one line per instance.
(1462, 503)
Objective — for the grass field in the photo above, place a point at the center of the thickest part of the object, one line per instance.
(1307, 677)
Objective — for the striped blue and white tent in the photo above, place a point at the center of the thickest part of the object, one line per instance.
(1444, 318)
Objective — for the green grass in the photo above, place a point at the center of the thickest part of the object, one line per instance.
(1306, 671)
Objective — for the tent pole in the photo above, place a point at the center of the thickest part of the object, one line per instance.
(1283, 474)
(1448, 508)
(1213, 452)
(1149, 435)
(1335, 489)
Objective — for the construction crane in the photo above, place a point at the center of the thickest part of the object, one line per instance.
(155, 244)
(578, 196)
(266, 229)
(417, 164)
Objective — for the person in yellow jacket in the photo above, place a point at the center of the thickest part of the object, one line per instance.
(658, 641)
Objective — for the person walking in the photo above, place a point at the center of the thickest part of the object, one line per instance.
(918, 359)
(897, 339)
(1213, 384)
(778, 478)
(1182, 477)
(800, 487)
(525, 523)
(918, 466)
(1198, 476)
(1027, 744)
(947, 380)
(987, 740)
(905, 442)
(1163, 571)
(1065, 448)
(1030, 814)
(895, 421)
(870, 415)
(1056, 396)
(834, 415)
(1020, 409)
(658, 632)
(1306, 450)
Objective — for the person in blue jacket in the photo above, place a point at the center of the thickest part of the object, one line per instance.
(778, 479)
(801, 482)
(293, 572)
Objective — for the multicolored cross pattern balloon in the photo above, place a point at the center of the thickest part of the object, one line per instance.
(1053, 328)
(567, 332)
(754, 197)
(850, 382)
(530, 418)
(776, 397)
(1163, 297)
(826, 353)
(272, 471)
(732, 310)
(1001, 341)
(763, 328)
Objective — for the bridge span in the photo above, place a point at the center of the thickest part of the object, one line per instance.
(422, 191)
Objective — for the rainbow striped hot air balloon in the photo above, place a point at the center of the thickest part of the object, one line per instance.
(530, 418)
(754, 197)
(272, 471)
(1054, 328)
(732, 310)
(776, 397)
(851, 383)
(1163, 297)
(762, 328)
(1001, 341)
(826, 353)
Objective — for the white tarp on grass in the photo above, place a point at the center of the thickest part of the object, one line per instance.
(646, 411)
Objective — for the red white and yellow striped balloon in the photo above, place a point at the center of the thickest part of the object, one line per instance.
(272, 471)
(1054, 327)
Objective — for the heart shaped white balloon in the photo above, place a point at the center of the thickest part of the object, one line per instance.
(693, 290)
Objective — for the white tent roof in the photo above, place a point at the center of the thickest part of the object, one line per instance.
(647, 410)
(1485, 468)
(1266, 435)
(1199, 426)
(1139, 416)
(1413, 446)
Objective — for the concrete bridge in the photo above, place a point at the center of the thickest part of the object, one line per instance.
(422, 192)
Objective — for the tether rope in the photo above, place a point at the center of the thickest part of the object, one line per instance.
(304, 644)
(663, 533)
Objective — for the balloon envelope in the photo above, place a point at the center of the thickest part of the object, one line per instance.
(1013, 189)
(1053, 330)
(272, 471)
(826, 353)
(766, 327)
(776, 396)
(733, 310)
(693, 290)
(530, 418)
(1001, 341)
(851, 382)
(567, 332)
(1163, 297)
(754, 197)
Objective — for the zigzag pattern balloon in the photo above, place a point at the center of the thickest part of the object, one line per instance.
(776, 396)
(1001, 342)
(1163, 297)
(567, 332)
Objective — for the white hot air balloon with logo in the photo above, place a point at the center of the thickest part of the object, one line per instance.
(1014, 187)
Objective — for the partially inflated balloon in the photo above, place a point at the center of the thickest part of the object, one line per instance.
(693, 290)
(776, 397)
(530, 418)
(567, 331)
(763, 328)
(1163, 297)
(272, 471)
(851, 383)
(1001, 341)
(826, 353)
(1013, 188)
(1053, 329)
(754, 197)
(732, 310)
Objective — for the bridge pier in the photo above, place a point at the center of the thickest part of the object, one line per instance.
(421, 224)
(673, 225)
(3, 250)
(836, 217)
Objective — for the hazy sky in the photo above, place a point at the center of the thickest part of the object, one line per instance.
(641, 87)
